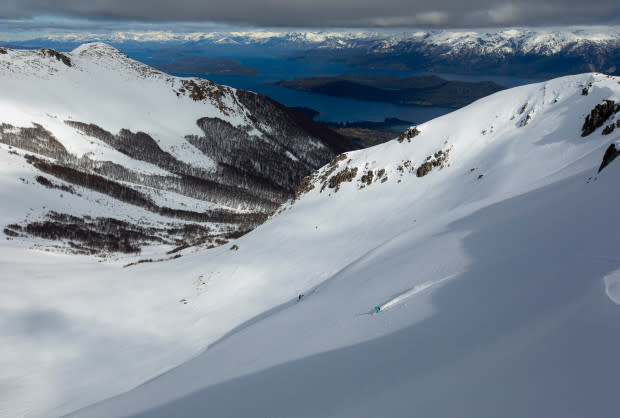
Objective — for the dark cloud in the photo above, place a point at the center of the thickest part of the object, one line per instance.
(325, 13)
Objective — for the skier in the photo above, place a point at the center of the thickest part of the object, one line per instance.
(377, 309)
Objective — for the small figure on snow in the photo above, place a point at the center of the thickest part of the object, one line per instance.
(377, 309)
(301, 295)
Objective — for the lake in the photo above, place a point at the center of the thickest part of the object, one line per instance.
(337, 109)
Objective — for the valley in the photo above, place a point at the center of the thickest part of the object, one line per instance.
(197, 162)
(332, 223)
(423, 226)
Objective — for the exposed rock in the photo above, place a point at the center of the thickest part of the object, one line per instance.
(331, 167)
(439, 157)
(424, 169)
(586, 90)
(436, 160)
(367, 178)
(201, 90)
(58, 55)
(608, 129)
(348, 174)
(527, 119)
(306, 184)
(409, 134)
(3, 51)
(598, 116)
(610, 155)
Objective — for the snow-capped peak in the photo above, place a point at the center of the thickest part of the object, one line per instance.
(96, 48)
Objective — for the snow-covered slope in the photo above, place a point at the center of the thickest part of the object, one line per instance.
(106, 128)
(494, 271)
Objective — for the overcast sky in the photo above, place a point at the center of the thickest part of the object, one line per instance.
(329, 13)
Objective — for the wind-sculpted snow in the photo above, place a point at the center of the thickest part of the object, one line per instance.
(121, 128)
(491, 270)
(612, 286)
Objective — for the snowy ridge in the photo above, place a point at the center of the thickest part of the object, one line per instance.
(494, 264)
(519, 41)
(468, 140)
(98, 112)
(524, 40)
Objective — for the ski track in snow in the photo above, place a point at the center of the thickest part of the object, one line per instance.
(412, 292)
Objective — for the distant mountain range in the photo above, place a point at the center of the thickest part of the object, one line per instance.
(523, 52)
(517, 51)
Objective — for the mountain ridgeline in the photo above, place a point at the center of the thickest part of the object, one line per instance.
(188, 151)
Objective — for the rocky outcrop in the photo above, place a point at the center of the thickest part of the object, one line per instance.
(348, 174)
(424, 169)
(58, 55)
(436, 160)
(367, 178)
(409, 134)
(598, 116)
(610, 155)
(608, 129)
(304, 187)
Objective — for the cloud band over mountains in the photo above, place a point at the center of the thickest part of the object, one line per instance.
(328, 13)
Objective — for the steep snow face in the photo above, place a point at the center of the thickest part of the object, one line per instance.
(102, 85)
(491, 264)
(184, 148)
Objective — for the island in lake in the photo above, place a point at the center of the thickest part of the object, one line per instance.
(366, 133)
(194, 64)
(424, 90)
